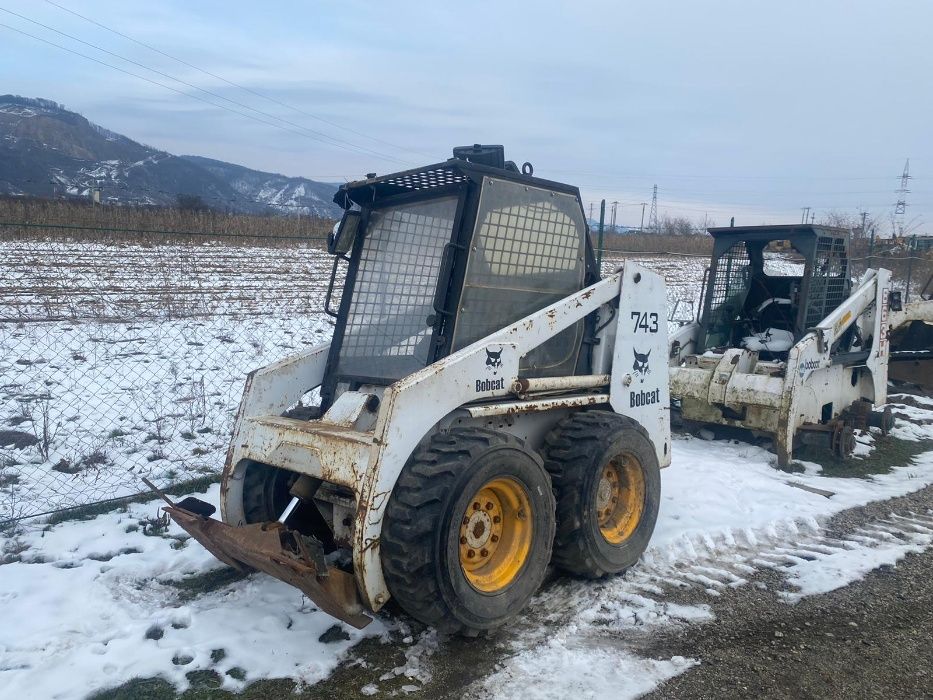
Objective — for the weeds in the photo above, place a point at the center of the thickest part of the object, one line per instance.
(157, 525)
(44, 427)
(141, 224)
(191, 587)
(12, 551)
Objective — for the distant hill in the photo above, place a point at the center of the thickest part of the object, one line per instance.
(46, 150)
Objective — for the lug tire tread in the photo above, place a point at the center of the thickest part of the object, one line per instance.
(415, 513)
(569, 451)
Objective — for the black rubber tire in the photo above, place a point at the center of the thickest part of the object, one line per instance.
(575, 453)
(419, 547)
(265, 492)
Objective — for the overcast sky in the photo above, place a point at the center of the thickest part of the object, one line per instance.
(733, 108)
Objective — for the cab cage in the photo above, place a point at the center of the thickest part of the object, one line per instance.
(410, 268)
(736, 282)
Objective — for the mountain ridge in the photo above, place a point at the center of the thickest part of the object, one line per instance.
(47, 150)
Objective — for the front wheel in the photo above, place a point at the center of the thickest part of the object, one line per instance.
(608, 483)
(468, 530)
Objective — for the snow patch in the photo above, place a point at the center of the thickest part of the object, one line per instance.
(565, 668)
(90, 607)
(876, 546)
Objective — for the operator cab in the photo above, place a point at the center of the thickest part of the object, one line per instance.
(767, 285)
(441, 256)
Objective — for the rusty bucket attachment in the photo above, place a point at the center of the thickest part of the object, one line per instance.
(273, 548)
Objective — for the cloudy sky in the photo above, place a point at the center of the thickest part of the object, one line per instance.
(733, 108)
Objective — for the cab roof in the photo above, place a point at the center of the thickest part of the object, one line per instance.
(449, 173)
(776, 232)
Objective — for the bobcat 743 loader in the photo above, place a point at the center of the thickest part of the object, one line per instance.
(487, 405)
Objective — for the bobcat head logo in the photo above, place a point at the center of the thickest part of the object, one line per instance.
(493, 359)
(640, 367)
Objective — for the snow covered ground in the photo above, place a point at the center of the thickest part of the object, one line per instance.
(135, 357)
(94, 603)
(126, 360)
(726, 513)
(102, 404)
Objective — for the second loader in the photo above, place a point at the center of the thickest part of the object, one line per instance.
(786, 344)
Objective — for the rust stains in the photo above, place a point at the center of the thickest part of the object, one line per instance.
(286, 554)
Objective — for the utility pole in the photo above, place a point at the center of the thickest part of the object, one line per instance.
(641, 228)
(590, 223)
(862, 233)
(599, 248)
(653, 215)
(612, 225)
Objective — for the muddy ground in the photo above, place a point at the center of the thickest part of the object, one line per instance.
(869, 639)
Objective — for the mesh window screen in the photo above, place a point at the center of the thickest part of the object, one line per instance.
(728, 291)
(387, 334)
(527, 253)
(828, 285)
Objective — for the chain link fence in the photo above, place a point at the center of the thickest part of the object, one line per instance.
(123, 353)
(123, 350)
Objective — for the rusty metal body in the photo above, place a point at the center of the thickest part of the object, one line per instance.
(839, 362)
(368, 461)
(286, 554)
(415, 352)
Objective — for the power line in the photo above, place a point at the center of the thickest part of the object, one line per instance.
(721, 206)
(233, 84)
(154, 82)
(707, 176)
(311, 133)
(603, 187)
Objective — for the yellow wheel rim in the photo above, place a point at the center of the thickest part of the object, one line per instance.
(620, 498)
(495, 534)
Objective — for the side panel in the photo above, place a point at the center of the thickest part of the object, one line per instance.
(413, 405)
(639, 386)
(269, 391)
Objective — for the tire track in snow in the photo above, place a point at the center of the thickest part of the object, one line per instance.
(714, 565)
(573, 615)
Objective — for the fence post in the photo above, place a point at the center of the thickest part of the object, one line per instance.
(599, 251)
(911, 246)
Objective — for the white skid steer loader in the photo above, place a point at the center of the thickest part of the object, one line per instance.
(795, 354)
(487, 405)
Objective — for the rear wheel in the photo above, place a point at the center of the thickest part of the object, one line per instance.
(608, 484)
(468, 530)
(266, 494)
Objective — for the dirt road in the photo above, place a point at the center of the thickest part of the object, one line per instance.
(869, 639)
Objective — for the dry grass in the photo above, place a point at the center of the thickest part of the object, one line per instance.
(701, 244)
(83, 221)
(903, 263)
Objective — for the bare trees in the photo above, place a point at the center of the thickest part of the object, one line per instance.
(683, 226)
(873, 225)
